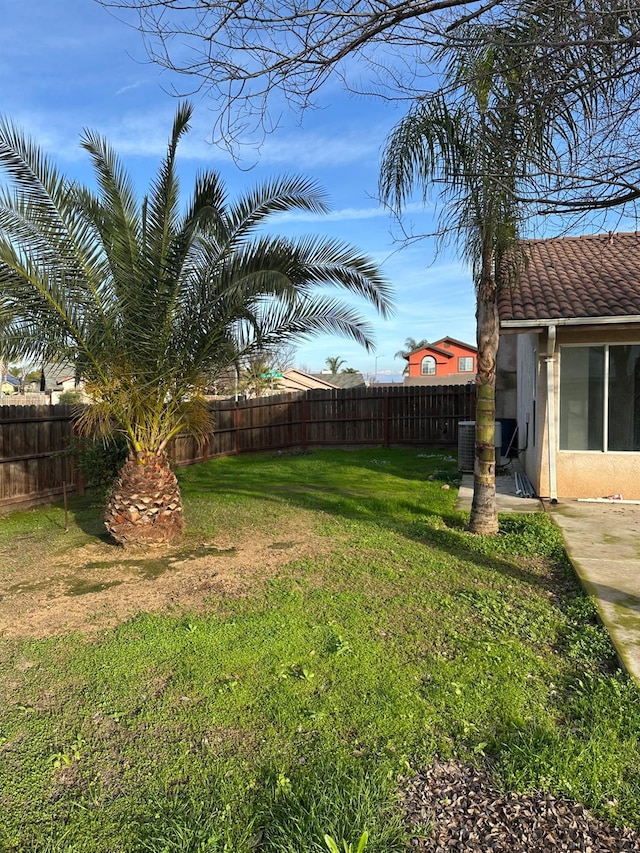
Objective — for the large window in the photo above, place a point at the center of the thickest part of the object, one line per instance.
(428, 366)
(600, 398)
(465, 364)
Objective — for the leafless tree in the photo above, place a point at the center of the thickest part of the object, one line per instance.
(245, 50)
(250, 54)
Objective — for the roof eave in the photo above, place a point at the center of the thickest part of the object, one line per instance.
(544, 322)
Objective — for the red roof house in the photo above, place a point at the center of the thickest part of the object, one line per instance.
(444, 362)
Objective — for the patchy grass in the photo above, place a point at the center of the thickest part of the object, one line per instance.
(297, 712)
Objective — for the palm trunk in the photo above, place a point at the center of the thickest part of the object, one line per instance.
(484, 515)
(146, 505)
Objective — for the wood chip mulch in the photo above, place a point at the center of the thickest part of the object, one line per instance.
(455, 807)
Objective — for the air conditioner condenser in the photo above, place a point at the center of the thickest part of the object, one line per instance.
(467, 444)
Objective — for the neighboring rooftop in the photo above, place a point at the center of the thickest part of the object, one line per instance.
(57, 373)
(576, 277)
(341, 380)
(439, 346)
(298, 380)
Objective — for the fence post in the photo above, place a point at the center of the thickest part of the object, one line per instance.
(236, 427)
(385, 419)
(304, 419)
(78, 474)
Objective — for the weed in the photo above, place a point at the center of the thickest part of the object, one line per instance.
(347, 847)
(72, 753)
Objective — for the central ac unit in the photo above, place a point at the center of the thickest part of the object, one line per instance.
(467, 444)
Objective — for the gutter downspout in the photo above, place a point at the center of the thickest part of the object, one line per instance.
(551, 413)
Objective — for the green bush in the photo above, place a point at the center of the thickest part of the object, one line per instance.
(100, 460)
(71, 398)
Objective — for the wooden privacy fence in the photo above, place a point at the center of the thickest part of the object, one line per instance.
(33, 437)
(387, 416)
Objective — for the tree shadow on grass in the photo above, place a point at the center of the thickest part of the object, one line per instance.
(315, 483)
(338, 484)
(87, 513)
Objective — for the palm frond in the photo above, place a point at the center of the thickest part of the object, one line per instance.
(118, 216)
(280, 195)
(306, 318)
(162, 209)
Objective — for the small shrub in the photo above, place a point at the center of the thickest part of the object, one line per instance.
(100, 460)
(71, 398)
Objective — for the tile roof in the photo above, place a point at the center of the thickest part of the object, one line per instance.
(58, 372)
(298, 380)
(438, 346)
(576, 277)
(428, 348)
(341, 380)
(472, 347)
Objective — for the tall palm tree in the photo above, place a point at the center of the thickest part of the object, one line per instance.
(151, 299)
(475, 145)
(334, 363)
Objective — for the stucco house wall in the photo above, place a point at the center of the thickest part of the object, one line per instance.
(579, 294)
(530, 409)
(579, 474)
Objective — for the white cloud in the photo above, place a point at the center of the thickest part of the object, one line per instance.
(346, 214)
(145, 134)
(128, 88)
(132, 134)
(312, 150)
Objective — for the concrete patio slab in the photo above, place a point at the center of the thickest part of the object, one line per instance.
(603, 544)
(506, 497)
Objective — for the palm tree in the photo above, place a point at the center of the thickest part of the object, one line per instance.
(476, 146)
(256, 379)
(410, 345)
(334, 363)
(150, 299)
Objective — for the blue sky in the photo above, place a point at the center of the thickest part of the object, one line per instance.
(69, 65)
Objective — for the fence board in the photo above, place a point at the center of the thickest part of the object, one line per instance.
(32, 438)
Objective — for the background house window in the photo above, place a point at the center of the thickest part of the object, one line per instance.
(428, 366)
(600, 387)
(465, 364)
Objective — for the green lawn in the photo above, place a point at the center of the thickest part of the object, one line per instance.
(274, 718)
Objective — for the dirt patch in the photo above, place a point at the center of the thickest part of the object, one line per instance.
(100, 585)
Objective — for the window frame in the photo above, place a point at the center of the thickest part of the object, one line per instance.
(428, 359)
(605, 345)
(465, 358)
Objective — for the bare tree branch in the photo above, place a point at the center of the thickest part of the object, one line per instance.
(577, 61)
